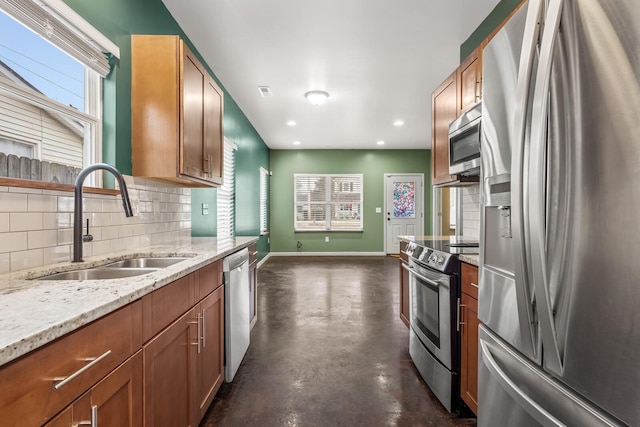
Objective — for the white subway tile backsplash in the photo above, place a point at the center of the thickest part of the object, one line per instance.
(24, 221)
(13, 202)
(42, 203)
(5, 263)
(26, 259)
(42, 239)
(4, 222)
(36, 226)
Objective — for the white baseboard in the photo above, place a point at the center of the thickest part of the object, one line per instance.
(263, 260)
(327, 253)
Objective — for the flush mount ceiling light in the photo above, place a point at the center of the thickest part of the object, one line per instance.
(316, 97)
(291, 123)
(381, 142)
(296, 142)
(398, 123)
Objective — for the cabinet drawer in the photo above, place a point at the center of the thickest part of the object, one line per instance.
(28, 395)
(208, 279)
(403, 251)
(162, 307)
(470, 279)
(253, 253)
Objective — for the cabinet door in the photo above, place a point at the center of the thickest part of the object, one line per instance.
(213, 133)
(443, 110)
(469, 363)
(210, 360)
(116, 401)
(469, 74)
(169, 372)
(194, 83)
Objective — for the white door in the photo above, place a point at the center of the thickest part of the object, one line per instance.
(403, 208)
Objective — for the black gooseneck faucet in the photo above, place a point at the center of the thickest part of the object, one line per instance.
(77, 211)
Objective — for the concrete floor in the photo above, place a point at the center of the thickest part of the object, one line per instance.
(329, 349)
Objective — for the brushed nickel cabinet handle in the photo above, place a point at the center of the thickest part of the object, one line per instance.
(203, 342)
(198, 342)
(94, 418)
(474, 285)
(62, 381)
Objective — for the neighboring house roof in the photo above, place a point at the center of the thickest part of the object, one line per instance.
(73, 125)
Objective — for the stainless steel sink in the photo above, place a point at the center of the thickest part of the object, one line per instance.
(98, 274)
(146, 262)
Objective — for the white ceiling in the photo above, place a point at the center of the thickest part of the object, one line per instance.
(379, 60)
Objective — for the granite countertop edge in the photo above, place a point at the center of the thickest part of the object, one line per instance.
(470, 259)
(35, 313)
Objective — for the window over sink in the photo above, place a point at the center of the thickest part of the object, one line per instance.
(51, 67)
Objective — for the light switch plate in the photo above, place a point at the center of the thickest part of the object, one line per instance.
(205, 209)
(378, 210)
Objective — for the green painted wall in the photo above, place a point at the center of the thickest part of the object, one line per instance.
(118, 20)
(372, 163)
(497, 15)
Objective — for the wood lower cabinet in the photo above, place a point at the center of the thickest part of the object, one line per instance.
(176, 114)
(404, 284)
(183, 364)
(469, 336)
(116, 401)
(210, 356)
(169, 374)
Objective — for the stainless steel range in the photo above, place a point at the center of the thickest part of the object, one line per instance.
(434, 339)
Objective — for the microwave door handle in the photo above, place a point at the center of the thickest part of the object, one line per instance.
(537, 185)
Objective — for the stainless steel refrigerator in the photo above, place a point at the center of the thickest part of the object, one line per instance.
(560, 220)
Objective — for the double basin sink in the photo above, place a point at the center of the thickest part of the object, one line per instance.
(117, 270)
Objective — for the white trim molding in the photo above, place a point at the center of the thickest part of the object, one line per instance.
(327, 253)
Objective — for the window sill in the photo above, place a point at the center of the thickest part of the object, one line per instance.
(41, 185)
(355, 230)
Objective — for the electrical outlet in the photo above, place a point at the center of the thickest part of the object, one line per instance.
(326, 239)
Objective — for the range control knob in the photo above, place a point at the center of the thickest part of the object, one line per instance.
(440, 259)
(433, 258)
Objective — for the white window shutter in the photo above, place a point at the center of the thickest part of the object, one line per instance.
(226, 194)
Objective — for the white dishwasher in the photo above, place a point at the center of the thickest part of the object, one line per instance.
(236, 311)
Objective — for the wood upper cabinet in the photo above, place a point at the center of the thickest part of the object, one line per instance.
(469, 75)
(116, 401)
(469, 336)
(176, 114)
(444, 110)
(404, 284)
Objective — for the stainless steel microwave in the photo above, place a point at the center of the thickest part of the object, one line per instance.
(464, 142)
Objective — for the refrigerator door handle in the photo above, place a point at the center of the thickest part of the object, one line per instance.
(537, 188)
(516, 393)
(519, 225)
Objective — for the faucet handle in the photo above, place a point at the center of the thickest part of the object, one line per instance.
(87, 237)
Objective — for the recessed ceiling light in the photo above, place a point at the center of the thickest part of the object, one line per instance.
(296, 142)
(380, 142)
(317, 97)
(291, 123)
(398, 123)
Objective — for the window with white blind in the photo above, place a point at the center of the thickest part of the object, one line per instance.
(51, 64)
(226, 194)
(264, 190)
(326, 202)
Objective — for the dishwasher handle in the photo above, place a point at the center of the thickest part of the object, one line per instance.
(235, 260)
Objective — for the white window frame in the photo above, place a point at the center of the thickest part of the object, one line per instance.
(225, 203)
(327, 202)
(264, 200)
(62, 26)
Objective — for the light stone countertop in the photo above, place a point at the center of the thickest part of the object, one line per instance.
(470, 259)
(34, 313)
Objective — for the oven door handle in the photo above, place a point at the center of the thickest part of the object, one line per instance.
(420, 276)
